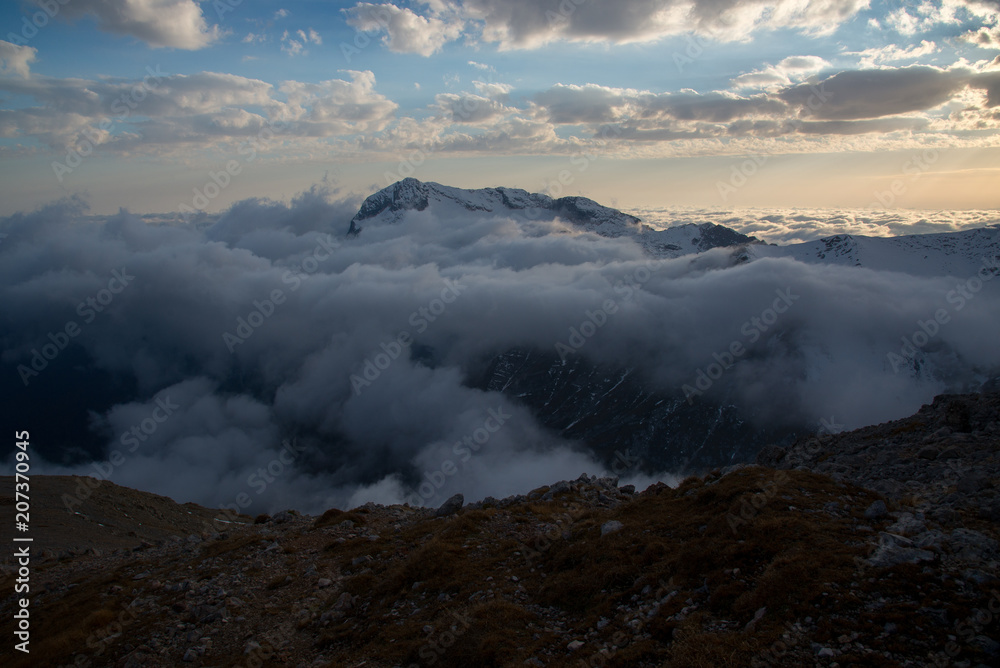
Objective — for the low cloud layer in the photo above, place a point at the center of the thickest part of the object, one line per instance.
(800, 225)
(178, 24)
(269, 355)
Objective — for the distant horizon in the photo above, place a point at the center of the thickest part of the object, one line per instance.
(621, 191)
(767, 223)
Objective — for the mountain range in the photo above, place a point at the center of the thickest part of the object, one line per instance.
(959, 254)
(614, 410)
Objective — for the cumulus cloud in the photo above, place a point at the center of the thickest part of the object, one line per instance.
(877, 56)
(177, 24)
(988, 36)
(928, 15)
(162, 114)
(16, 59)
(470, 109)
(524, 24)
(877, 125)
(521, 283)
(846, 103)
(337, 106)
(583, 104)
(790, 70)
(493, 90)
(984, 38)
(162, 110)
(528, 24)
(859, 94)
(405, 31)
(601, 104)
(520, 24)
(294, 43)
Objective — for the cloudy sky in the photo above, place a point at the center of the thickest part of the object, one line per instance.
(145, 104)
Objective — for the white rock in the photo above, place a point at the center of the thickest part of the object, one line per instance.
(611, 527)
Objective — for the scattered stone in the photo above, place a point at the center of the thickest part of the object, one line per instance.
(970, 545)
(972, 483)
(770, 456)
(611, 527)
(907, 524)
(931, 569)
(894, 550)
(987, 645)
(756, 618)
(876, 510)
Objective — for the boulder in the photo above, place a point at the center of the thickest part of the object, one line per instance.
(451, 506)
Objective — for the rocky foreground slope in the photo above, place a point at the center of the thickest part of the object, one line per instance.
(876, 547)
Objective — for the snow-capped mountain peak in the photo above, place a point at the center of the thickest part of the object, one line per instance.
(945, 254)
(391, 204)
(959, 254)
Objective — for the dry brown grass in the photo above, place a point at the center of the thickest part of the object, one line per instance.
(495, 637)
(81, 622)
(436, 572)
(681, 538)
(231, 544)
(673, 538)
(334, 516)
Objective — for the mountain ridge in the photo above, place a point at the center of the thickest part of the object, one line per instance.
(612, 409)
(958, 253)
(389, 204)
(877, 546)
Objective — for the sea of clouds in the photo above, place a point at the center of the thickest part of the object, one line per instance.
(262, 354)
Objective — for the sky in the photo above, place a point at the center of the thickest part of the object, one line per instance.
(160, 106)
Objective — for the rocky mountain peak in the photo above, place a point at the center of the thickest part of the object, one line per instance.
(390, 204)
